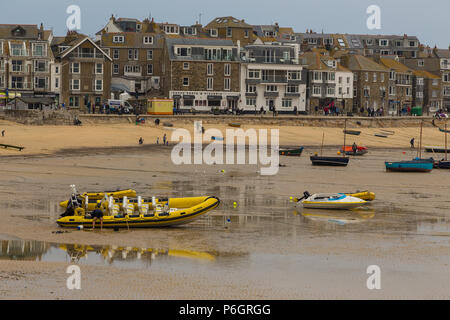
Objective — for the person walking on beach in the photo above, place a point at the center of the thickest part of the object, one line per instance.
(164, 139)
(354, 148)
(157, 140)
(3, 133)
(412, 143)
(141, 141)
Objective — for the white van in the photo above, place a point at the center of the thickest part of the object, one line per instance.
(114, 105)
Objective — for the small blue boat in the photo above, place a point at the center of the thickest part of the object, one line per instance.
(416, 165)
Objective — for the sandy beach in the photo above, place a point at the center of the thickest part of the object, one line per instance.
(269, 250)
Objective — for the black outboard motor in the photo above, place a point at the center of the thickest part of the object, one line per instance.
(306, 195)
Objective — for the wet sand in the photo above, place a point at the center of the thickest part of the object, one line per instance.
(269, 250)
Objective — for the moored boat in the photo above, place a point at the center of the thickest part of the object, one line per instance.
(436, 149)
(352, 132)
(331, 201)
(422, 165)
(166, 212)
(296, 152)
(359, 151)
(329, 161)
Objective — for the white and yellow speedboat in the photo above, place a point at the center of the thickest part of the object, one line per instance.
(331, 201)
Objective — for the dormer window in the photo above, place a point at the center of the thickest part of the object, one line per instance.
(171, 29)
(183, 52)
(148, 40)
(18, 32)
(384, 43)
(118, 39)
(138, 27)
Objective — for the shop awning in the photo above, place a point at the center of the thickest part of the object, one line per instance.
(176, 96)
(233, 97)
(188, 97)
(214, 97)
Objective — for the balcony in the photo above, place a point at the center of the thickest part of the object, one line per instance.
(274, 79)
(403, 82)
(271, 94)
(251, 94)
(86, 55)
(19, 53)
(132, 74)
(292, 94)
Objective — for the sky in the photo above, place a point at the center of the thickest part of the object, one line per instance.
(426, 19)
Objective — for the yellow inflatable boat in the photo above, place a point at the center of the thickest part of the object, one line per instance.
(158, 213)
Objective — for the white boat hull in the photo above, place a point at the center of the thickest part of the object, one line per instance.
(323, 201)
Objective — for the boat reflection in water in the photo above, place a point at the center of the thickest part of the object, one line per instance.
(339, 217)
(43, 251)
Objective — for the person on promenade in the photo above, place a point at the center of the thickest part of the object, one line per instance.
(164, 139)
(354, 148)
(3, 133)
(412, 143)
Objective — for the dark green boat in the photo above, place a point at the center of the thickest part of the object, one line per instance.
(291, 152)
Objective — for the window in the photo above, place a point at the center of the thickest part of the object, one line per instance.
(186, 66)
(2, 65)
(116, 69)
(74, 101)
(115, 54)
(245, 33)
(227, 69)
(213, 32)
(420, 63)
(419, 94)
(286, 55)
(384, 43)
(185, 82)
(292, 89)
(183, 52)
(99, 68)
(317, 90)
(286, 103)
(39, 49)
(18, 49)
(75, 67)
(251, 88)
(229, 32)
(374, 77)
(17, 83)
(133, 54)
(420, 81)
(150, 69)
(331, 91)
(392, 91)
(340, 80)
(348, 80)
(210, 69)
(118, 39)
(271, 88)
(99, 85)
(251, 102)
(254, 74)
(408, 91)
(149, 54)
(446, 77)
(17, 65)
(382, 77)
(75, 85)
(392, 75)
(40, 66)
(148, 40)
(209, 84)
(41, 82)
(227, 84)
(294, 75)
(367, 77)
(340, 90)
(132, 69)
(269, 56)
(366, 92)
(57, 69)
(317, 76)
(56, 83)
